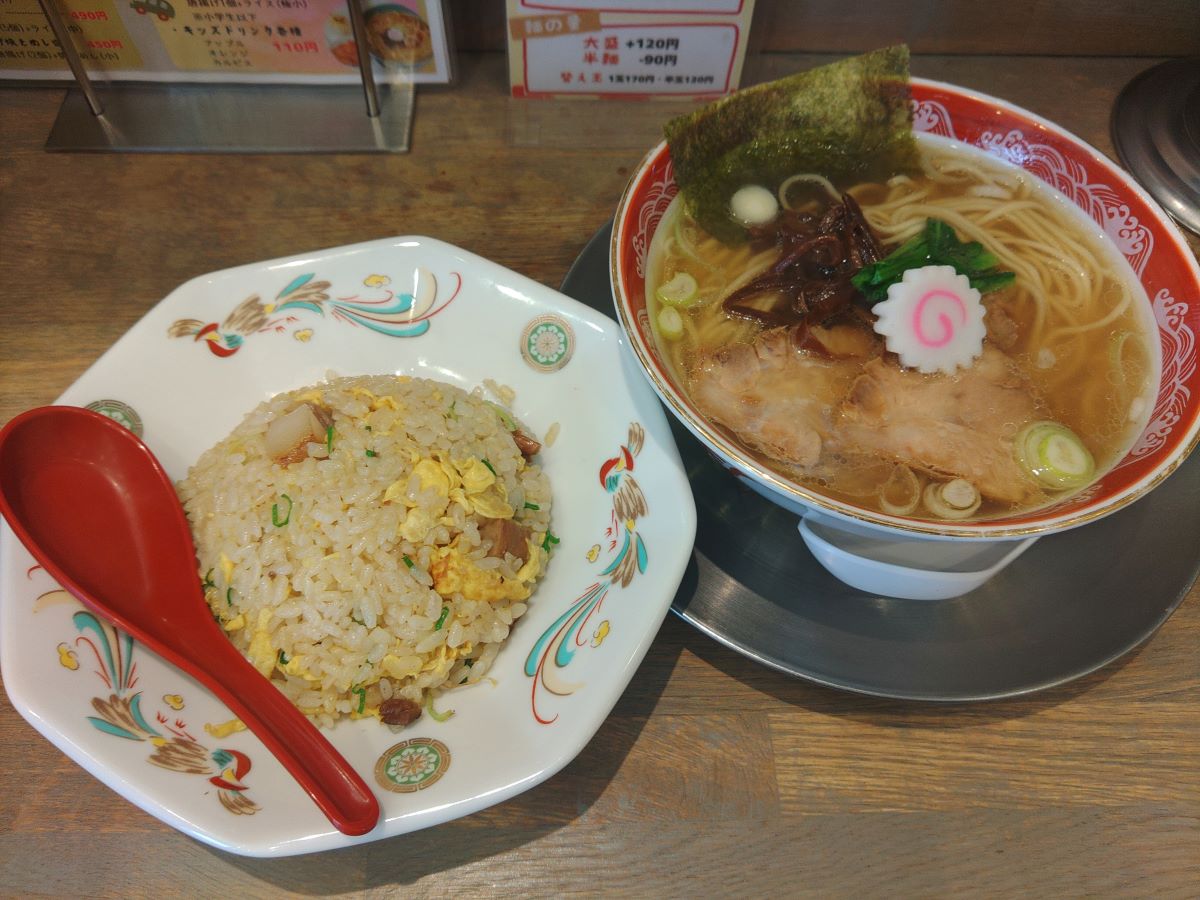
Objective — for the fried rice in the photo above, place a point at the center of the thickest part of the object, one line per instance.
(368, 542)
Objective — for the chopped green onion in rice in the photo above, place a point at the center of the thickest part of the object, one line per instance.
(384, 589)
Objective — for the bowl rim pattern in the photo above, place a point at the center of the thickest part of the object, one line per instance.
(1151, 243)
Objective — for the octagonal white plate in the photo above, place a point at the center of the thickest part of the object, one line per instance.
(185, 375)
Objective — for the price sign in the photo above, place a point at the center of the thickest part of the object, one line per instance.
(631, 49)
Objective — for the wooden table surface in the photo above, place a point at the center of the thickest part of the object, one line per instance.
(713, 775)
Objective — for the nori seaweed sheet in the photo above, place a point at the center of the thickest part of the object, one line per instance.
(850, 121)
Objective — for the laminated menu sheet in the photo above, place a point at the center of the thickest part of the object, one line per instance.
(287, 41)
(627, 48)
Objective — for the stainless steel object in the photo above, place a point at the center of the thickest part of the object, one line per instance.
(63, 34)
(1156, 131)
(231, 118)
(358, 24)
(236, 118)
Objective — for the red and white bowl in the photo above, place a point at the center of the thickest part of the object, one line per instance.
(1120, 209)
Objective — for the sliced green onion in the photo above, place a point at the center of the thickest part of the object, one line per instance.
(329, 440)
(229, 595)
(368, 427)
(901, 492)
(819, 181)
(681, 290)
(1054, 456)
(362, 698)
(372, 453)
(549, 542)
(955, 499)
(357, 620)
(488, 464)
(437, 626)
(529, 505)
(283, 658)
(450, 414)
(208, 581)
(408, 562)
(275, 520)
(670, 323)
(509, 422)
(434, 714)
(1117, 346)
(684, 242)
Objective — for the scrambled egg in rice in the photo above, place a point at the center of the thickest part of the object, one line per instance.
(370, 541)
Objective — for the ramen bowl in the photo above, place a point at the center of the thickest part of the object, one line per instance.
(899, 555)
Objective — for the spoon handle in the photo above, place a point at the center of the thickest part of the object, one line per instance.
(97, 510)
(337, 789)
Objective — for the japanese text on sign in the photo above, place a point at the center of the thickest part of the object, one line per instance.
(607, 49)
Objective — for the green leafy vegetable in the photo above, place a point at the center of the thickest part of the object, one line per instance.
(936, 245)
(850, 121)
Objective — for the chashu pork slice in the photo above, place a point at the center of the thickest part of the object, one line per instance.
(775, 396)
(960, 425)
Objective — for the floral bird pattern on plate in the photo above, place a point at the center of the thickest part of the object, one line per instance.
(392, 313)
(121, 714)
(554, 650)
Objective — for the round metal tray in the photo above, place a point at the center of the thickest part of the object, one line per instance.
(1156, 132)
(1072, 603)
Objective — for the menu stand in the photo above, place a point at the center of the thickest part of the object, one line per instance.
(231, 118)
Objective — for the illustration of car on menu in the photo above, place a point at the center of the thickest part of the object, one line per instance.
(160, 8)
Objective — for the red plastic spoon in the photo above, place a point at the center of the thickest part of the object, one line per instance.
(96, 509)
